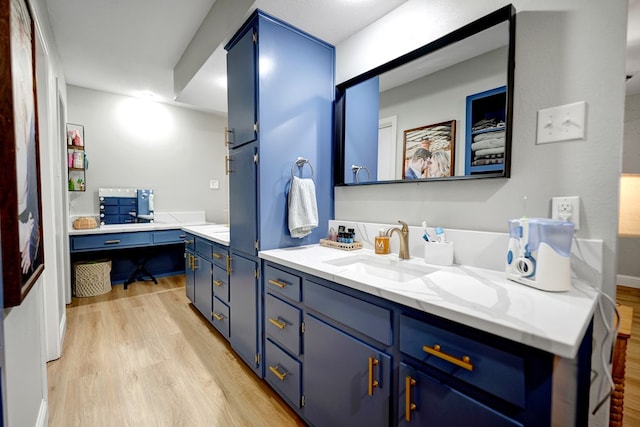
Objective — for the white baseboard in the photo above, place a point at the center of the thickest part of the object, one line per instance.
(628, 281)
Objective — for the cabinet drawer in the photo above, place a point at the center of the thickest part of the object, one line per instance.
(283, 372)
(204, 248)
(282, 323)
(284, 283)
(169, 236)
(219, 256)
(492, 370)
(220, 317)
(108, 241)
(220, 282)
(362, 316)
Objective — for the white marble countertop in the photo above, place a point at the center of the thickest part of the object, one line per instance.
(477, 297)
(218, 233)
(127, 228)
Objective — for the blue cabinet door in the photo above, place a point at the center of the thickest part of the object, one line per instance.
(203, 294)
(241, 87)
(244, 310)
(243, 199)
(189, 276)
(424, 401)
(339, 371)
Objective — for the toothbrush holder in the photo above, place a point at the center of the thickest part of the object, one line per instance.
(438, 253)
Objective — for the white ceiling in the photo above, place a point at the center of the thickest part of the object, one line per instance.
(132, 46)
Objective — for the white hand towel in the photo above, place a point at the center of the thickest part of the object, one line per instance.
(303, 210)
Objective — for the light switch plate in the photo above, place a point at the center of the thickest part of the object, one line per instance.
(214, 184)
(562, 123)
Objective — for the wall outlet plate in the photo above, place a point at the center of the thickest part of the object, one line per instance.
(214, 184)
(567, 209)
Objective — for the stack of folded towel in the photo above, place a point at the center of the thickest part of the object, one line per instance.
(488, 148)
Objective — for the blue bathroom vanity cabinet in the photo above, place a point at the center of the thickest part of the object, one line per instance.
(207, 268)
(280, 103)
(339, 356)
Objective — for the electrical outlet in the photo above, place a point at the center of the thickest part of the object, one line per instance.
(214, 184)
(566, 209)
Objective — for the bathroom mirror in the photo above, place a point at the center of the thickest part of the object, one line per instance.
(440, 112)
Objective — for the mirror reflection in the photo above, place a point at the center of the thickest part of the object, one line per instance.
(440, 112)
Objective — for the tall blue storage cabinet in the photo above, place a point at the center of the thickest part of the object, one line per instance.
(280, 107)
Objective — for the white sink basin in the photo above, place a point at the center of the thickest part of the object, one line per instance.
(382, 267)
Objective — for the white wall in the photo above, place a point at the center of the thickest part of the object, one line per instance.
(566, 52)
(132, 143)
(24, 326)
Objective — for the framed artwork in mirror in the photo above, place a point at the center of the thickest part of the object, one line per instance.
(20, 199)
(429, 151)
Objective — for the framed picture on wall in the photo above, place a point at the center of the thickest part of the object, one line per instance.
(20, 199)
(429, 151)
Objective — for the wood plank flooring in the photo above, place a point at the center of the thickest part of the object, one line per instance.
(145, 357)
(631, 414)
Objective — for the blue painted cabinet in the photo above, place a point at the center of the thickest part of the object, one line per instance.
(280, 99)
(346, 382)
(245, 310)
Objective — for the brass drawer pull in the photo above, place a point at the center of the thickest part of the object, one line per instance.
(279, 323)
(229, 269)
(217, 316)
(372, 383)
(408, 405)
(227, 165)
(216, 255)
(277, 373)
(278, 283)
(227, 133)
(218, 283)
(111, 242)
(464, 362)
(188, 242)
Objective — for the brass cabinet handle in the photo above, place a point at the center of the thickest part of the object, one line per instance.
(464, 362)
(195, 266)
(218, 283)
(217, 316)
(111, 242)
(280, 324)
(229, 270)
(216, 255)
(278, 283)
(277, 373)
(372, 383)
(408, 405)
(188, 242)
(189, 261)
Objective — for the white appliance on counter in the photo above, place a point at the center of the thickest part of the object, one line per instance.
(539, 253)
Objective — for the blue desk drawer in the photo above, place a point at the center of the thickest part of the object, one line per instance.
(220, 317)
(364, 317)
(110, 241)
(283, 372)
(488, 368)
(282, 323)
(169, 236)
(285, 284)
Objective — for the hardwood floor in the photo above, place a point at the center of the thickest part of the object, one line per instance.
(631, 414)
(145, 357)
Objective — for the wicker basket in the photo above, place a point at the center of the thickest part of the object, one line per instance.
(92, 278)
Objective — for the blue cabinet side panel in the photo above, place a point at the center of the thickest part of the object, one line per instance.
(296, 89)
(362, 105)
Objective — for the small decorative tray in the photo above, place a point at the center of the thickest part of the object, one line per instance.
(344, 246)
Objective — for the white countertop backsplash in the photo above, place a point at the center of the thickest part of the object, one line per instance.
(473, 292)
